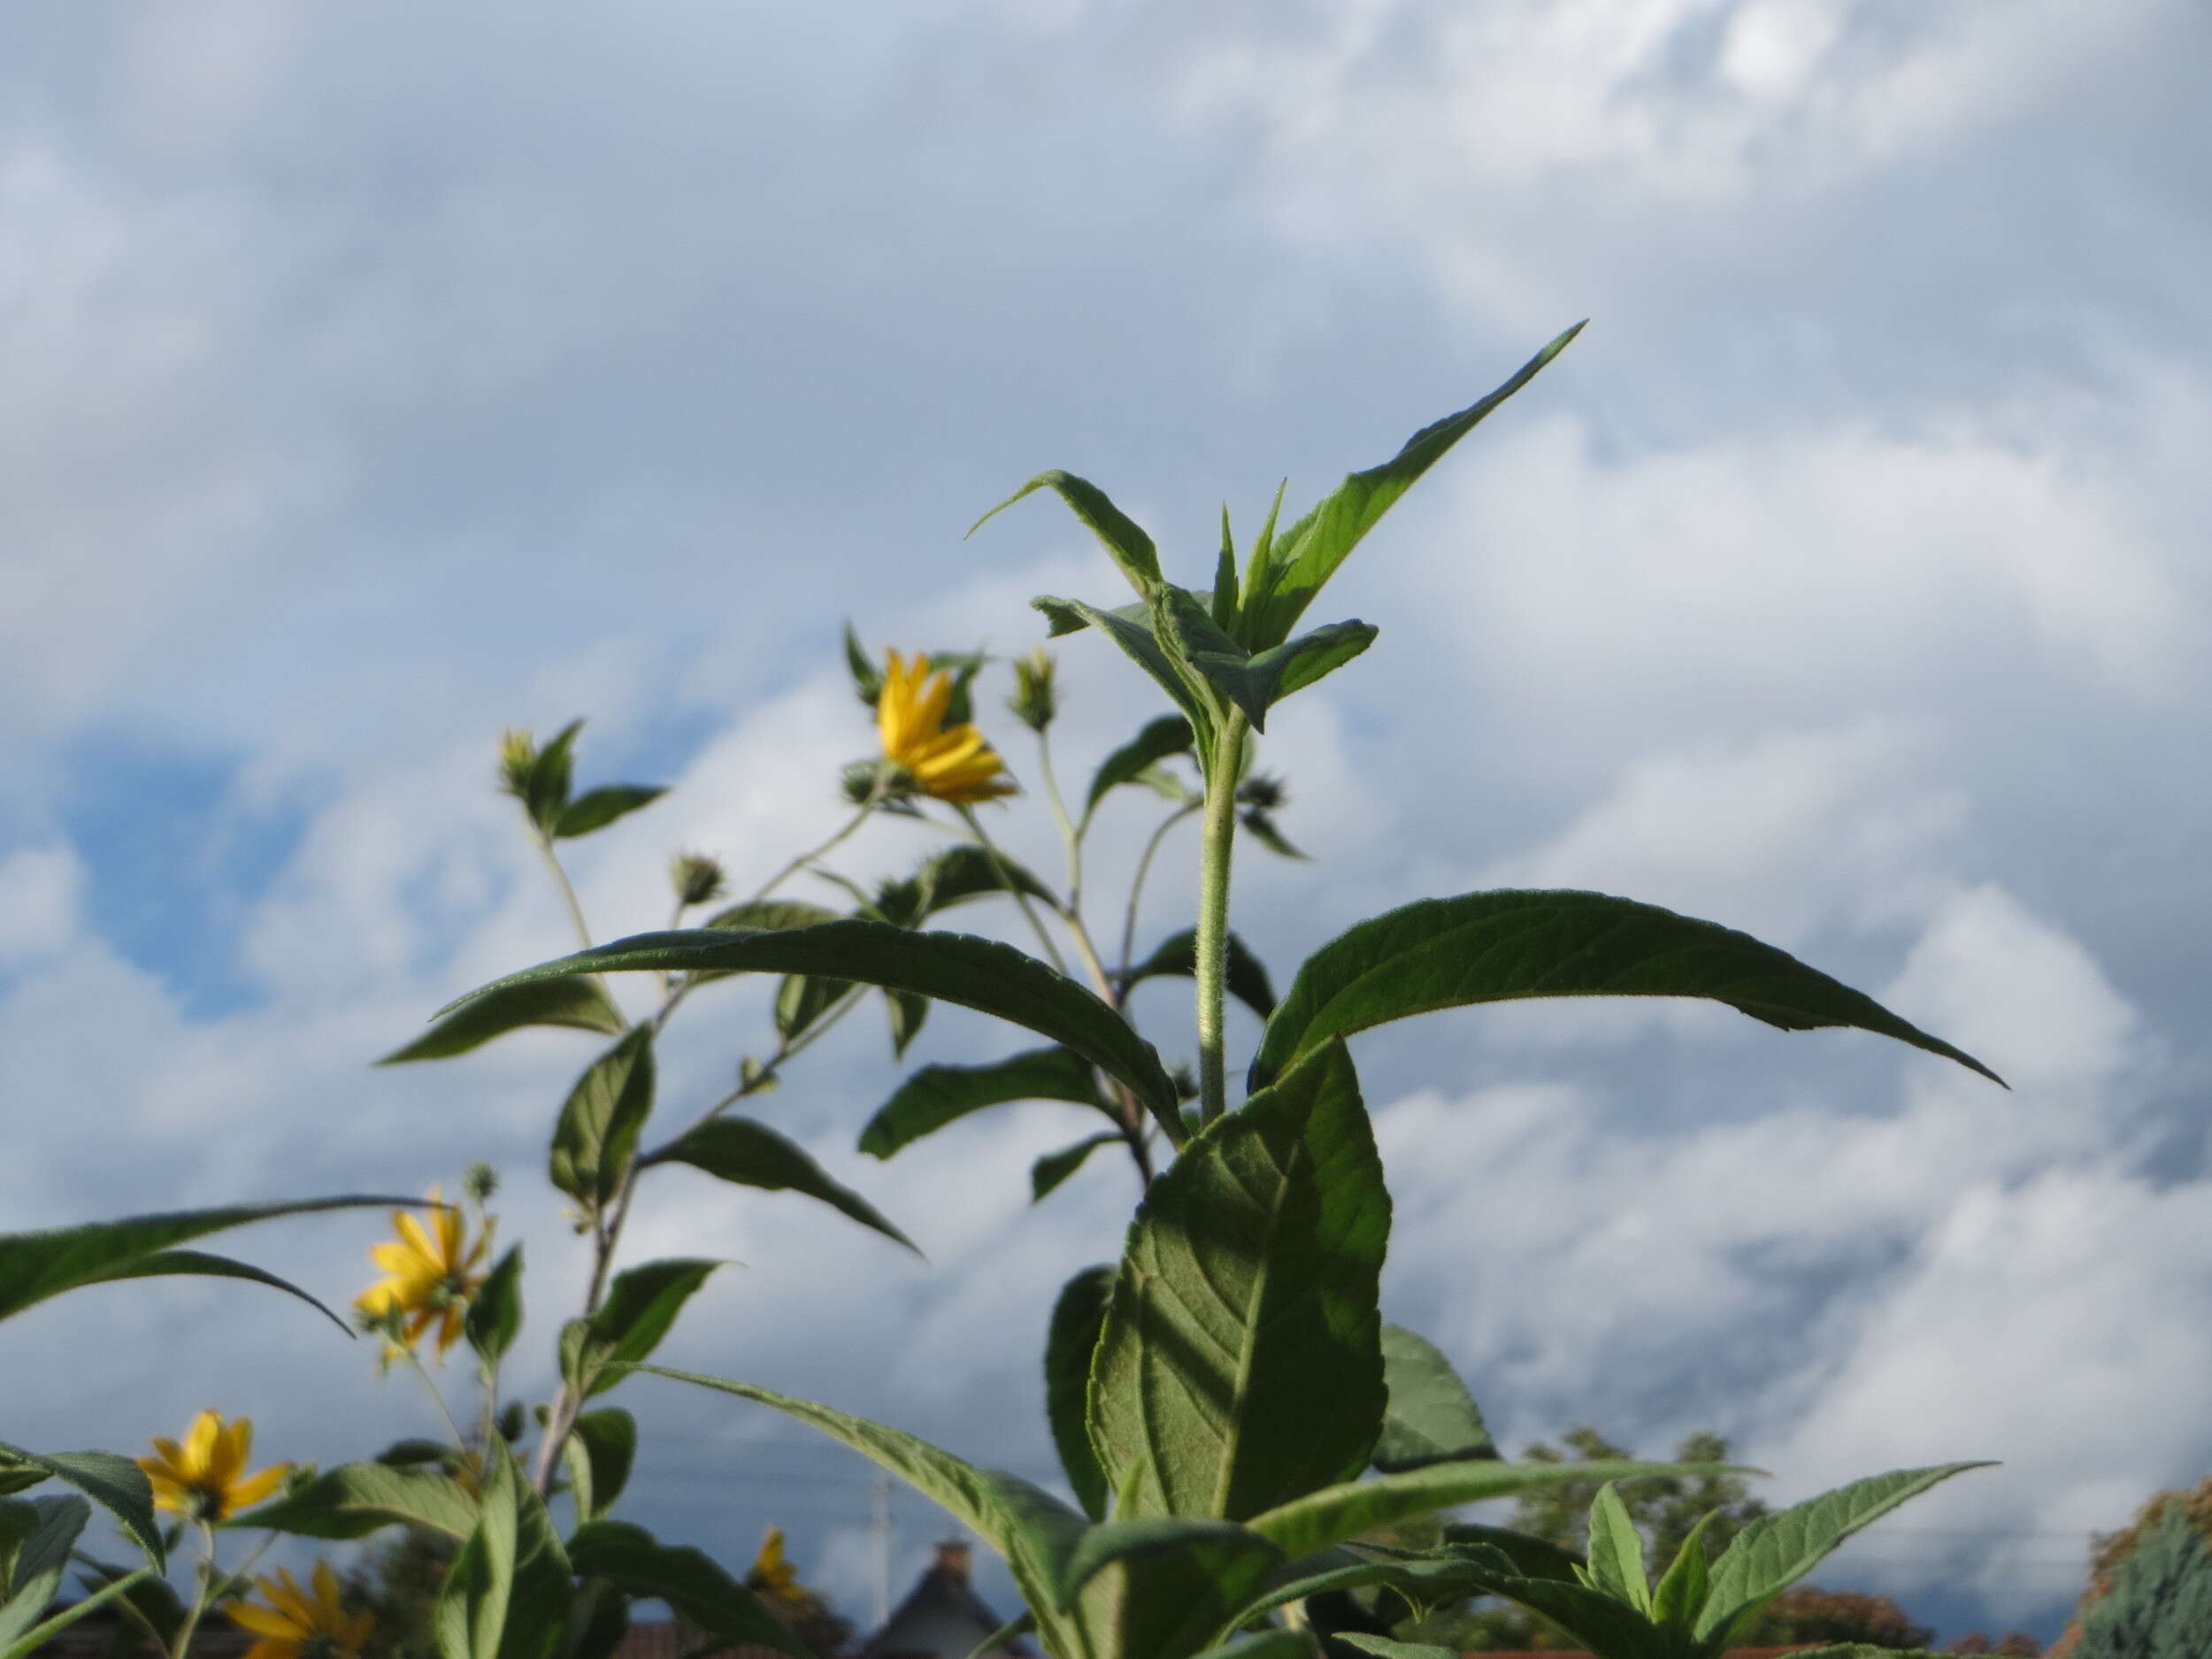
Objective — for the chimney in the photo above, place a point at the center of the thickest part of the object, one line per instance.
(952, 1560)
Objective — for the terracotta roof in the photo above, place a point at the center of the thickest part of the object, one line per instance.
(665, 1639)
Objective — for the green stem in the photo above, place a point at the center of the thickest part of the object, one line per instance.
(414, 1365)
(867, 806)
(1211, 952)
(560, 876)
(1006, 880)
(38, 1635)
(1136, 888)
(183, 1645)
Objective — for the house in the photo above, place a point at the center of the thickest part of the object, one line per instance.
(942, 1617)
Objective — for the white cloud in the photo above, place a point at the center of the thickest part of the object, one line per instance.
(40, 897)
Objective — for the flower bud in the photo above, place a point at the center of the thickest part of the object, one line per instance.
(695, 877)
(481, 1182)
(1034, 701)
(518, 760)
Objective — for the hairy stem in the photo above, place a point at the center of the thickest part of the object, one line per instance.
(1211, 951)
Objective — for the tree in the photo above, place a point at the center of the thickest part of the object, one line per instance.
(2159, 1605)
(1806, 1612)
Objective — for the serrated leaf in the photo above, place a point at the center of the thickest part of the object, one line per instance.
(1054, 1168)
(1132, 628)
(696, 1589)
(936, 1095)
(1617, 1552)
(1310, 550)
(203, 1264)
(1430, 1417)
(1255, 683)
(1260, 827)
(1177, 954)
(354, 1500)
(1162, 1585)
(1532, 1557)
(1070, 1342)
(1511, 944)
(495, 1313)
(1033, 1529)
(746, 1153)
(1297, 663)
(576, 1002)
(1317, 1519)
(1168, 736)
(115, 1483)
(1240, 1364)
(601, 1449)
(1110, 1541)
(978, 973)
(595, 808)
(37, 1265)
(766, 916)
(1776, 1550)
(38, 1558)
(640, 1306)
(600, 1122)
(1130, 547)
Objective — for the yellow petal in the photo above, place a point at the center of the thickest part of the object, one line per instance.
(417, 1240)
(255, 1487)
(284, 1592)
(271, 1648)
(263, 1621)
(327, 1591)
(394, 1258)
(199, 1445)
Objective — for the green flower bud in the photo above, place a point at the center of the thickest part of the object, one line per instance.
(1034, 701)
(695, 877)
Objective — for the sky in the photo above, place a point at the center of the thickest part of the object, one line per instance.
(381, 377)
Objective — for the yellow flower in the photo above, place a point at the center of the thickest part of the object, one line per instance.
(431, 1275)
(772, 1573)
(206, 1479)
(956, 765)
(298, 1626)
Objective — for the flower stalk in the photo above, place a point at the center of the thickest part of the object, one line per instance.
(1211, 945)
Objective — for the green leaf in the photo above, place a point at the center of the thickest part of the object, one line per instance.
(1033, 1529)
(1168, 736)
(866, 672)
(1224, 596)
(1508, 944)
(1532, 1557)
(1299, 663)
(116, 1484)
(600, 1123)
(411, 1452)
(907, 1011)
(1013, 1631)
(1680, 1595)
(1131, 548)
(938, 1094)
(1390, 1647)
(38, 1558)
(495, 1313)
(1312, 549)
(471, 1616)
(354, 1500)
(802, 1000)
(201, 1265)
(1055, 1167)
(595, 808)
(640, 1306)
(1316, 1520)
(1164, 1585)
(576, 1002)
(746, 1153)
(601, 1449)
(545, 792)
(1267, 1644)
(1432, 1581)
(538, 1604)
(1260, 827)
(766, 916)
(696, 1589)
(1240, 1364)
(1177, 954)
(978, 973)
(1257, 565)
(1617, 1552)
(37, 1265)
(1132, 628)
(1776, 1550)
(1593, 1618)
(1431, 1417)
(953, 875)
(1070, 1342)
(1256, 683)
